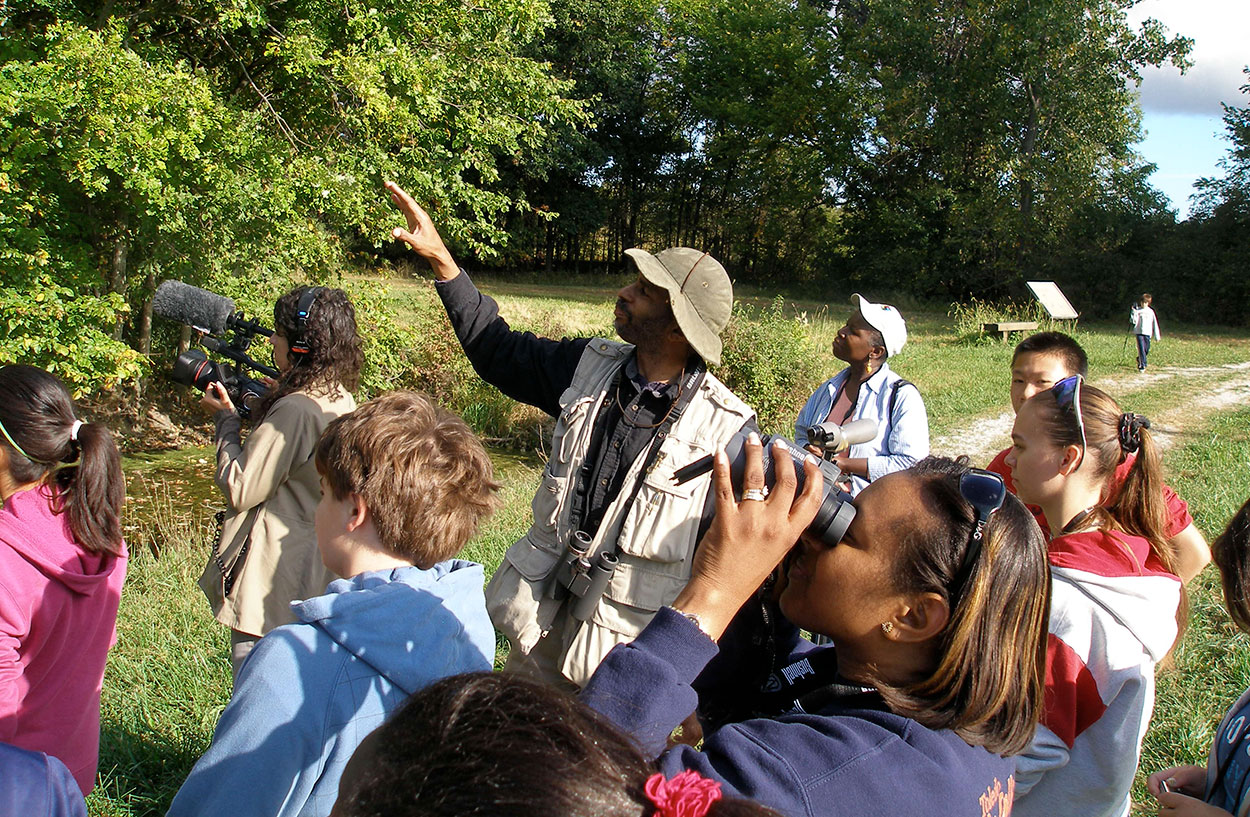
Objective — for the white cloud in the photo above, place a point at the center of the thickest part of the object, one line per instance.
(1219, 30)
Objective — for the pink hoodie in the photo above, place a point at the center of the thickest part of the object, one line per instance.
(58, 611)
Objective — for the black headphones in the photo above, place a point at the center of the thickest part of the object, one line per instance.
(299, 346)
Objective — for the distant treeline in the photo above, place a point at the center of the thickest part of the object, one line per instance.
(938, 149)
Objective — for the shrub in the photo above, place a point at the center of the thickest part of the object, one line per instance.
(769, 362)
(968, 317)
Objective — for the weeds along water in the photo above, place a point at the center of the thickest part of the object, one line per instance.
(168, 676)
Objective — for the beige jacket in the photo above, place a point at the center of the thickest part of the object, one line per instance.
(271, 489)
(656, 535)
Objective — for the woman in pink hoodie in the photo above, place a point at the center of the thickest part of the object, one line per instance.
(62, 563)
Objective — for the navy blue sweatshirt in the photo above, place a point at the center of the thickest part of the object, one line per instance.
(850, 757)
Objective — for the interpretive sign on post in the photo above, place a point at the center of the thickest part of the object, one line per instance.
(1052, 300)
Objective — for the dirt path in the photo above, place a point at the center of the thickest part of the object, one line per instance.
(1222, 386)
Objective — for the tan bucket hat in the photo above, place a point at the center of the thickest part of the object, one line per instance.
(699, 290)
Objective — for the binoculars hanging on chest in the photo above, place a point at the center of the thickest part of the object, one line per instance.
(581, 577)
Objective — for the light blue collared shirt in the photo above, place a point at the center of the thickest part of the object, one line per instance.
(902, 440)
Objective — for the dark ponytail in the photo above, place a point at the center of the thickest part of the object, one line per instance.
(1231, 553)
(38, 415)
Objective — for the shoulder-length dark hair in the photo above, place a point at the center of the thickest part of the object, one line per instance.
(496, 744)
(335, 354)
(989, 682)
(85, 475)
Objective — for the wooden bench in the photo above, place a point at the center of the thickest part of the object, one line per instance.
(1007, 327)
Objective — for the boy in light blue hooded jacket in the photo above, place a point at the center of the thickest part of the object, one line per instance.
(404, 485)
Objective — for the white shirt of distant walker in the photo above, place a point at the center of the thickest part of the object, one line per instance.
(1144, 320)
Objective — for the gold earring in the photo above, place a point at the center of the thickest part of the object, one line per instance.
(887, 627)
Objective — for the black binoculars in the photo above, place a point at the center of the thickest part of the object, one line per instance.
(577, 575)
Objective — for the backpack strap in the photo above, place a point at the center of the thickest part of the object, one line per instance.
(894, 398)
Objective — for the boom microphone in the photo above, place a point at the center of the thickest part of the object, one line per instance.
(193, 306)
(207, 311)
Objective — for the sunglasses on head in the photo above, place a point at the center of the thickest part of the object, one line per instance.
(985, 492)
(1067, 394)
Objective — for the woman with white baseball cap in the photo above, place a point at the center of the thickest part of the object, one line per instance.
(868, 388)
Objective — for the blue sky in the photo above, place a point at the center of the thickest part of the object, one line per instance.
(1181, 114)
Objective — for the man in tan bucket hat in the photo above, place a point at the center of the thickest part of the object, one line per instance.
(613, 535)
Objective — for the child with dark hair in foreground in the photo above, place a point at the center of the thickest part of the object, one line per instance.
(404, 485)
(1223, 787)
(498, 744)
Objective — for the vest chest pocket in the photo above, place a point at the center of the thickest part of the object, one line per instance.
(570, 428)
(663, 521)
(546, 502)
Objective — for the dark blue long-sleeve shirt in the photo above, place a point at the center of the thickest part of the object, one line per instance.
(850, 757)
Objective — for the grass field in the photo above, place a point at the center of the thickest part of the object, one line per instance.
(168, 676)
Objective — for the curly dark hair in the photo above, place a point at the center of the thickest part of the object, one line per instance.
(334, 355)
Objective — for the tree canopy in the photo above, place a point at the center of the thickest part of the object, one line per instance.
(912, 146)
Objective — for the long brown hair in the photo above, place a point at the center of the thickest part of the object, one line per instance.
(37, 412)
(989, 682)
(1137, 507)
(335, 354)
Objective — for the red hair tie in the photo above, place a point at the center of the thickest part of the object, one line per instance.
(688, 794)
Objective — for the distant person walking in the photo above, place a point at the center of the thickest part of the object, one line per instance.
(1145, 324)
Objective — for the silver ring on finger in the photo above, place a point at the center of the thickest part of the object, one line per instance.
(755, 494)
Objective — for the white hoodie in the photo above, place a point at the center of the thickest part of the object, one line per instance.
(1112, 618)
(1144, 321)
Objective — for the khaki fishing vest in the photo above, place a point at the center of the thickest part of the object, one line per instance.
(655, 535)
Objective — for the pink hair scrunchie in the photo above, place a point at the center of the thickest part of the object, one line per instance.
(688, 794)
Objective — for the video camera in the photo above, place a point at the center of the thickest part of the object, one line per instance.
(212, 316)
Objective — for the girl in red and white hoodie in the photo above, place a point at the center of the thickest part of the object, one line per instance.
(62, 563)
(1116, 603)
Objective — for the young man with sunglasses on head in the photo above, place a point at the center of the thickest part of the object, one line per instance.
(1039, 362)
(613, 535)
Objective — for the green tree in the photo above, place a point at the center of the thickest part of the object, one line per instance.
(240, 146)
(992, 124)
(115, 174)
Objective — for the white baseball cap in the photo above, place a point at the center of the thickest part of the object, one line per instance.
(886, 320)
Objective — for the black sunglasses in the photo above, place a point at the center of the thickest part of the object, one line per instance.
(1067, 394)
(985, 492)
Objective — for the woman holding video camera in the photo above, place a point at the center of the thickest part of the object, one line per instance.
(936, 600)
(266, 555)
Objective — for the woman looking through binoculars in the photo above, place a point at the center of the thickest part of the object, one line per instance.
(936, 599)
(266, 555)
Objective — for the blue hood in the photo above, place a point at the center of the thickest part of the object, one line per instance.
(438, 615)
